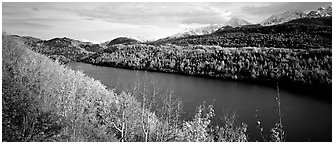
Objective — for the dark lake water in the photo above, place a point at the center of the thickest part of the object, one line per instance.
(304, 118)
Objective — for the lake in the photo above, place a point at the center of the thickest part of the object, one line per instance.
(304, 118)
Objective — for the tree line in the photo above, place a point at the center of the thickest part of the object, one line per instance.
(303, 68)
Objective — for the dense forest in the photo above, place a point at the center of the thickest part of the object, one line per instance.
(296, 67)
(296, 54)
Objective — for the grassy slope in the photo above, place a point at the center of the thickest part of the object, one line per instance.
(45, 101)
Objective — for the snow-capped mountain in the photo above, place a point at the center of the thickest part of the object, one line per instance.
(234, 22)
(283, 17)
(296, 14)
(198, 31)
(321, 12)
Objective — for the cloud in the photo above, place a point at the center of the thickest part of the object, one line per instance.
(89, 19)
(27, 25)
(96, 21)
(156, 13)
(274, 8)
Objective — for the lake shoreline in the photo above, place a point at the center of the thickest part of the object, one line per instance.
(321, 92)
(228, 95)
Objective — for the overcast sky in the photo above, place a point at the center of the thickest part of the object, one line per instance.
(98, 22)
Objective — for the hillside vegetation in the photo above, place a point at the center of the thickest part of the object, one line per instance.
(296, 68)
(45, 101)
(122, 40)
(296, 54)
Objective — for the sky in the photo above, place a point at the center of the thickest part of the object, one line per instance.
(102, 21)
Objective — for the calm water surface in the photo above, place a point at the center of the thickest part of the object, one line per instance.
(304, 118)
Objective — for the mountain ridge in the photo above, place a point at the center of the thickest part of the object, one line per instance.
(321, 12)
(204, 30)
(283, 17)
(122, 40)
(291, 14)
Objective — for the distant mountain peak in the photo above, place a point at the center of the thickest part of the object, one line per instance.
(284, 17)
(235, 22)
(122, 40)
(198, 31)
(321, 9)
(296, 14)
(203, 30)
(321, 12)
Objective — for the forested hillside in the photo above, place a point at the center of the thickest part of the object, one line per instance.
(297, 53)
(122, 40)
(45, 101)
(301, 69)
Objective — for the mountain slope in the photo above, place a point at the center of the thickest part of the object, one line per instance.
(321, 21)
(283, 17)
(45, 101)
(122, 40)
(27, 39)
(105, 43)
(287, 35)
(296, 14)
(197, 31)
(236, 22)
(320, 12)
(65, 49)
(204, 30)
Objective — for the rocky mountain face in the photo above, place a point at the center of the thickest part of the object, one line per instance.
(233, 22)
(236, 22)
(283, 17)
(321, 12)
(296, 14)
(275, 19)
(198, 31)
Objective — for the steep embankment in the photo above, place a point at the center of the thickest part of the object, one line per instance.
(45, 101)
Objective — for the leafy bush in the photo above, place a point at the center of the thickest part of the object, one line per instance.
(230, 132)
(201, 129)
(197, 129)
